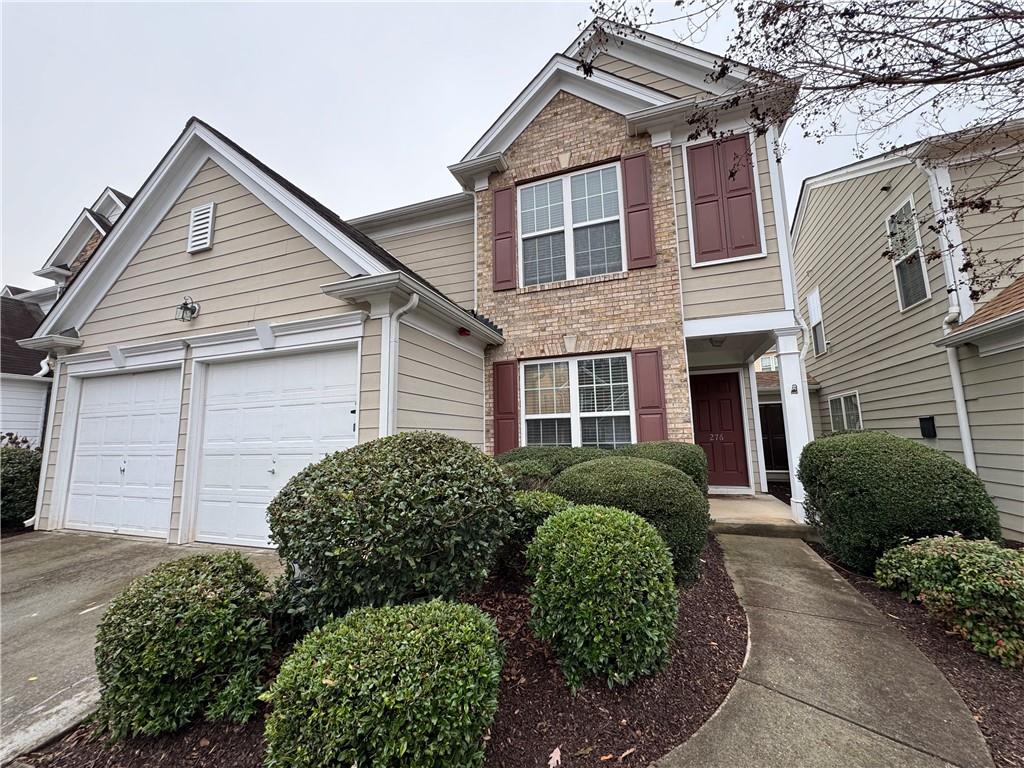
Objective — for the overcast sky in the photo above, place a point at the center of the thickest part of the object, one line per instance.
(363, 106)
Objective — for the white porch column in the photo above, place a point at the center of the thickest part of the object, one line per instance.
(798, 428)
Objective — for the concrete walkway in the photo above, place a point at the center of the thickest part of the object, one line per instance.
(56, 588)
(827, 681)
(759, 515)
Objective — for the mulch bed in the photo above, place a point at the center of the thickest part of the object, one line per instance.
(536, 713)
(993, 693)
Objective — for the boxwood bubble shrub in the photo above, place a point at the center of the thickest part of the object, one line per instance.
(19, 480)
(555, 458)
(867, 491)
(686, 457)
(659, 493)
(411, 685)
(191, 638)
(529, 510)
(603, 594)
(528, 474)
(397, 519)
(975, 586)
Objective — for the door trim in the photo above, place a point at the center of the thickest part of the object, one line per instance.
(69, 429)
(731, 489)
(197, 412)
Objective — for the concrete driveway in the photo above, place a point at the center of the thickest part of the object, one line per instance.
(55, 589)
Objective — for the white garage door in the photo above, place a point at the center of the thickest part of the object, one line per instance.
(123, 463)
(265, 419)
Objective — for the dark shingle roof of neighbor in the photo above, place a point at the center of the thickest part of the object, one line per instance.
(18, 320)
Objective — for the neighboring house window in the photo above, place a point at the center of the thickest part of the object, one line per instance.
(845, 411)
(571, 226)
(724, 211)
(817, 324)
(769, 363)
(908, 261)
(579, 401)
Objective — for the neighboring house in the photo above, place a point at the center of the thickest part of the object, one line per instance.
(899, 345)
(601, 280)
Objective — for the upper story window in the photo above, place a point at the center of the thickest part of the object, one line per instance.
(722, 190)
(908, 261)
(571, 226)
(769, 363)
(844, 411)
(817, 324)
(578, 401)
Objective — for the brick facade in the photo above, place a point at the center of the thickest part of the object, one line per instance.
(639, 309)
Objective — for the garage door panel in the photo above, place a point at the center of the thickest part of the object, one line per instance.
(266, 419)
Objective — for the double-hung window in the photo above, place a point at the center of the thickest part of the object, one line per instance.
(571, 226)
(844, 411)
(908, 261)
(579, 401)
(817, 324)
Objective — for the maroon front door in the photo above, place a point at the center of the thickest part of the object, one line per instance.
(718, 421)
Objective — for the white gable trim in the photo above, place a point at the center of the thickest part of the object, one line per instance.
(73, 242)
(561, 74)
(179, 166)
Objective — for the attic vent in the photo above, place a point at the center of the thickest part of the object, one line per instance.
(200, 228)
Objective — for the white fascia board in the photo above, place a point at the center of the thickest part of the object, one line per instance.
(73, 241)
(108, 201)
(359, 288)
(409, 218)
(51, 343)
(195, 146)
(996, 325)
(735, 324)
(561, 74)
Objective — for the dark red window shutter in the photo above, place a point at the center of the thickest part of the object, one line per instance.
(504, 240)
(738, 183)
(636, 195)
(649, 393)
(723, 202)
(707, 211)
(506, 410)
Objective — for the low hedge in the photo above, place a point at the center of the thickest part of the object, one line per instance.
(554, 458)
(975, 586)
(190, 638)
(686, 457)
(530, 509)
(602, 594)
(868, 491)
(401, 518)
(19, 481)
(410, 685)
(528, 474)
(662, 495)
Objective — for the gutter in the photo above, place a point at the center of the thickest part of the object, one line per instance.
(955, 338)
(959, 400)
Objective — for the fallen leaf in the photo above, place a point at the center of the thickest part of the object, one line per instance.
(627, 753)
(556, 757)
(603, 758)
(204, 742)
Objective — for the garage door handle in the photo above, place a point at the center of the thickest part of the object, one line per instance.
(272, 470)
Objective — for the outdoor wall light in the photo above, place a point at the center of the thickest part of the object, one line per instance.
(187, 310)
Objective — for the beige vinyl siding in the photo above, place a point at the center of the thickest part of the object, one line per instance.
(369, 382)
(258, 269)
(732, 288)
(886, 355)
(648, 77)
(994, 390)
(441, 253)
(995, 237)
(440, 387)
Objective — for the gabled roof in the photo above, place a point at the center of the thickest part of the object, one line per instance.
(18, 320)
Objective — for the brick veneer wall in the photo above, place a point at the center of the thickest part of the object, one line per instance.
(639, 309)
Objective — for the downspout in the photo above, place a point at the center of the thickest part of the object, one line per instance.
(49, 363)
(396, 317)
(959, 400)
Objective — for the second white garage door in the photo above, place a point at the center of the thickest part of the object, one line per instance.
(265, 419)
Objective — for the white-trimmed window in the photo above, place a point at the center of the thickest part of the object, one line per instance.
(844, 411)
(908, 263)
(572, 226)
(578, 401)
(769, 363)
(817, 324)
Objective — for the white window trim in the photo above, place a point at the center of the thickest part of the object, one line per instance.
(574, 415)
(568, 227)
(689, 202)
(920, 255)
(840, 397)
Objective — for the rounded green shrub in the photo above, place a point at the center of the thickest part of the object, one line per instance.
(603, 594)
(190, 638)
(867, 491)
(528, 474)
(555, 458)
(660, 494)
(975, 586)
(19, 480)
(530, 509)
(686, 457)
(401, 518)
(410, 685)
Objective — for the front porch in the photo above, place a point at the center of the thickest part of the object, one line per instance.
(758, 515)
